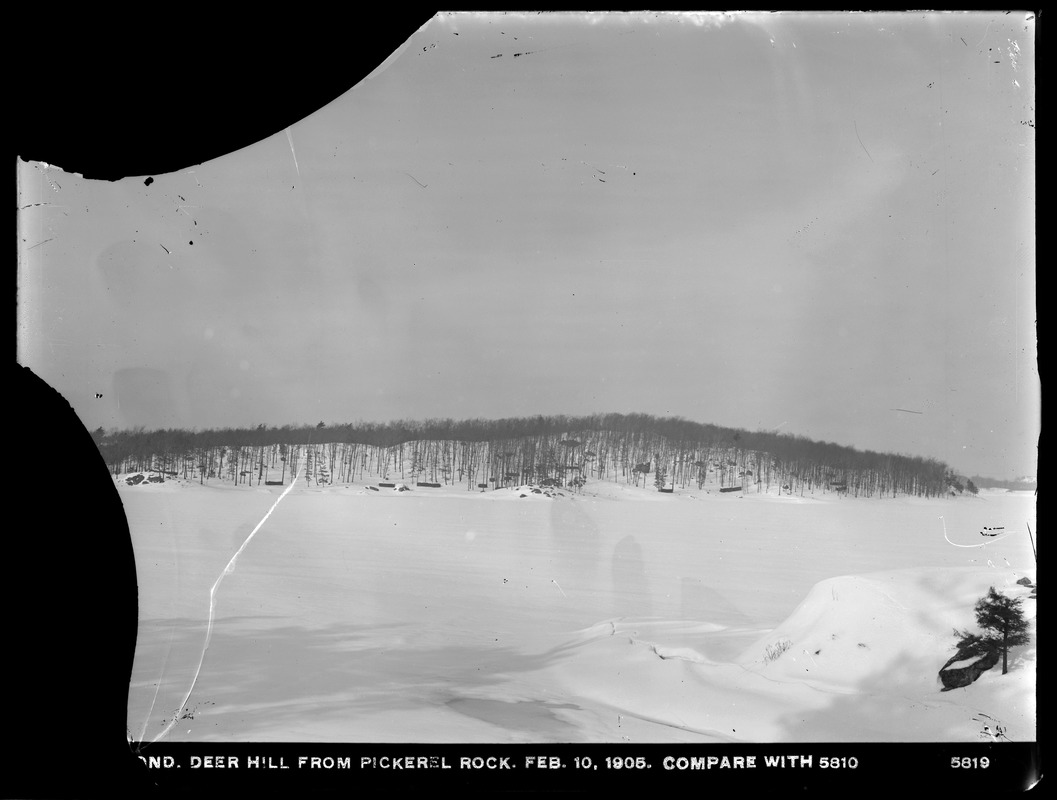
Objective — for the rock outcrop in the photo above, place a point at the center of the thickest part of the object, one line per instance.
(962, 670)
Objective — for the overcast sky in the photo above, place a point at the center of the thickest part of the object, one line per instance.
(816, 223)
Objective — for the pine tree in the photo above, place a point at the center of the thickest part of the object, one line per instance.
(1002, 619)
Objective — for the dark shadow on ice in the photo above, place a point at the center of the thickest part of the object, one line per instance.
(536, 717)
(631, 590)
(698, 601)
(270, 679)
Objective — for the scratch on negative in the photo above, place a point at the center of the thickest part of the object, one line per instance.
(860, 141)
(212, 603)
(290, 138)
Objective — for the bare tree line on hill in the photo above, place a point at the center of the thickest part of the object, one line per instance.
(551, 450)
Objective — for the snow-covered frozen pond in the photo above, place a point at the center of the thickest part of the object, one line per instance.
(615, 615)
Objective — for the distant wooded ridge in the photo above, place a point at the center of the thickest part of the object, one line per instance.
(994, 483)
(674, 450)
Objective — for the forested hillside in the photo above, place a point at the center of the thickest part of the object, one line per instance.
(668, 453)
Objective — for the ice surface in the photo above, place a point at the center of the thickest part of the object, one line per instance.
(616, 614)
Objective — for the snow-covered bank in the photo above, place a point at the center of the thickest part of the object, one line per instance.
(856, 661)
(615, 614)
